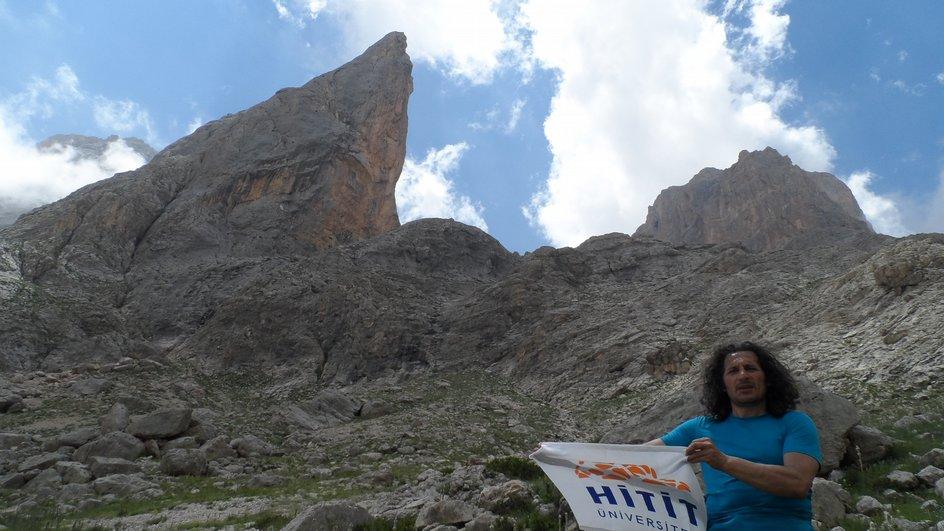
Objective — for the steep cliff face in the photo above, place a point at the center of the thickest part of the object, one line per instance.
(149, 252)
(763, 202)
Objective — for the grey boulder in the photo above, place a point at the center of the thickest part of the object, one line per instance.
(866, 445)
(114, 444)
(902, 480)
(39, 462)
(218, 447)
(115, 420)
(106, 466)
(161, 424)
(930, 474)
(184, 462)
(251, 446)
(334, 516)
(74, 438)
(73, 472)
(830, 501)
(446, 511)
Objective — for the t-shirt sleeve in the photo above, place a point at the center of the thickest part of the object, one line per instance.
(683, 434)
(801, 436)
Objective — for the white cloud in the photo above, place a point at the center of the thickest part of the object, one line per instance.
(495, 119)
(468, 39)
(514, 114)
(649, 94)
(40, 96)
(122, 116)
(940, 78)
(902, 56)
(194, 124)
(32, 177)
(883, 212)
(29, 177)
(299, 12)
(425, 191)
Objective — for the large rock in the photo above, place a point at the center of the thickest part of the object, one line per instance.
(48, 480)
(114, 444)
(251, 446)
(930, 474)
(445, 511)
(934, 456)
(866, 445)
(161, 424)
(869, 506)
(184, 462)
(105, 466)
(116, 419)
(329, 515)
(10, 403)
(830, 501)
(507, 497)
(902, 480)
(217, 447)
(74, 438)
(328, 408)
(763, 202)
(73, 472)
(39, 462)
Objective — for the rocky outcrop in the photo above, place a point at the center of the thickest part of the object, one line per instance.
(150, 255)
(764, 202)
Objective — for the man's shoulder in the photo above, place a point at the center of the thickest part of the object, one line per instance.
(698, 421)
(798, 419)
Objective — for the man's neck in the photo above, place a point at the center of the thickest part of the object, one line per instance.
(754, 409)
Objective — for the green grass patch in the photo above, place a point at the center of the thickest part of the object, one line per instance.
(515, 468)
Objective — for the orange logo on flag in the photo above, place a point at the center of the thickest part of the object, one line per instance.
(626, 471)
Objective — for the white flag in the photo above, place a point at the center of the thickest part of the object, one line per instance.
(621, 486)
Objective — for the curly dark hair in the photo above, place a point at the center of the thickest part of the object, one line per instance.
(782, 391)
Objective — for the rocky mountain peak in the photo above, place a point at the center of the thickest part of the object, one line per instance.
(92, 147)
(763, 201)
(153, 251)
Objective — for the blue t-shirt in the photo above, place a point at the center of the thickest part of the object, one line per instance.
(733, 504)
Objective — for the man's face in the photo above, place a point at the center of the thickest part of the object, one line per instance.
(744, 379)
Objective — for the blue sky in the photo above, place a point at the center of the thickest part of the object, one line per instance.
(542, 122)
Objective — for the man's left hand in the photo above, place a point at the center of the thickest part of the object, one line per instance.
(704, 451)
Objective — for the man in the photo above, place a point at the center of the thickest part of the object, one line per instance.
(760, 454)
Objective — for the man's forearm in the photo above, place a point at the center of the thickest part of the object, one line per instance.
(775, 479)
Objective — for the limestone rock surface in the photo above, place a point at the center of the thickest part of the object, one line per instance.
(763, 201)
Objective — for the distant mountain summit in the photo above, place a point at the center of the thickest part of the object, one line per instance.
(85, 148)
(764, 202)
(92, 147)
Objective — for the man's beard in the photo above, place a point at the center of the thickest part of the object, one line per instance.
(749, 403)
